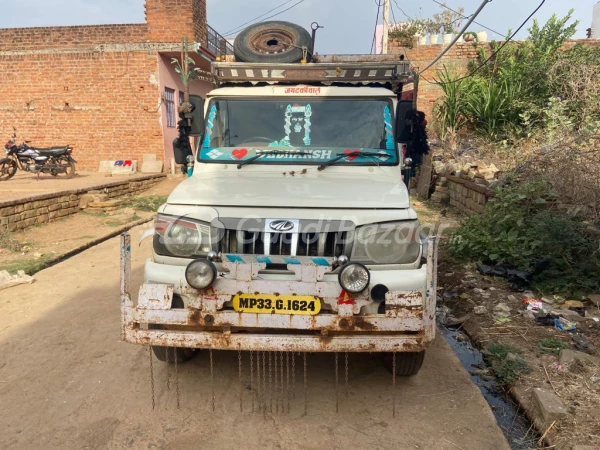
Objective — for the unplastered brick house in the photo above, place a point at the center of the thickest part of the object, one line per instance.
(110, 91)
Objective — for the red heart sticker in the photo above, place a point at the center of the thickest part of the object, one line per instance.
(353, 154)
(239, 153)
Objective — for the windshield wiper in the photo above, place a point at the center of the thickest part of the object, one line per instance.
(270, 152)
(355, 154)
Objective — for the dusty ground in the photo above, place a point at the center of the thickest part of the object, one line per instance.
(71, 383)
(27, 250)
(25, 184)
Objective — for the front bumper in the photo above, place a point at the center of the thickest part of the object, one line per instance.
(348, 324)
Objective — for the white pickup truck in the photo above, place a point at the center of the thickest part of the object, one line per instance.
(295, 231)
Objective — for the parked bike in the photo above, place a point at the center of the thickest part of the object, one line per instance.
(52, 160)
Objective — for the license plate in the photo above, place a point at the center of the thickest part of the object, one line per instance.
(277, 304)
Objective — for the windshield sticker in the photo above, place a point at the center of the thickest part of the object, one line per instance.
(387, 118)
(297, 119)
(209, 126)
(303, 90)
(314, 155)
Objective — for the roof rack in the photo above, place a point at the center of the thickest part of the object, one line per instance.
(375, 72)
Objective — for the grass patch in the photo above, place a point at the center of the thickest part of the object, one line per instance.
(553, 346)
(506, 363)
(150, 204)
(8, 241)
(29, 266)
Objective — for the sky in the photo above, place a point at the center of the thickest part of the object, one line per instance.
(349, 24)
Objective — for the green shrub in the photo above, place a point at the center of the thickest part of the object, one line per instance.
(506, 363)
(521, 226)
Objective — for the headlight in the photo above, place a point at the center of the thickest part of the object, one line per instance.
(387, 243)
(200, 274)
(179, 236)
(354, 278)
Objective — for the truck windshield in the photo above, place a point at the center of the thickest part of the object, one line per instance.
(307, 130)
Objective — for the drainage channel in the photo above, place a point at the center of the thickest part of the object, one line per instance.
(515, 426)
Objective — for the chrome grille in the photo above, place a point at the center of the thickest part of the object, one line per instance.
(292, 244)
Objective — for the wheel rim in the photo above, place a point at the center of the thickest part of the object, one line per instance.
(70, 168)
(272, 42)
(7, 169)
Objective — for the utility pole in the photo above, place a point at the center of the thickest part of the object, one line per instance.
(386, 20)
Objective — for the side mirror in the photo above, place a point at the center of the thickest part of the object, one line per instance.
(197, 115)
(404, 130)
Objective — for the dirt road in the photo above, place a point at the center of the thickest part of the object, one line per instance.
(66, 381)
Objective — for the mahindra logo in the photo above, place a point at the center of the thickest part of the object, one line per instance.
(281, 225)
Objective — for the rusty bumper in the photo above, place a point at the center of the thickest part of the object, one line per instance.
(408, 323)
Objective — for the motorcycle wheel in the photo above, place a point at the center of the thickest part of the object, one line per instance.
(70, 169)
(8, 168)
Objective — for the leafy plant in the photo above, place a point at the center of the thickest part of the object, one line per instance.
(553, 346)
(448, 110)
(521, 228)
(506, 363)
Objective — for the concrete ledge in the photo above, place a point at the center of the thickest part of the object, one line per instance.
(23, 213)
(156, 176)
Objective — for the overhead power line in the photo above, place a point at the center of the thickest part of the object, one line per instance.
(458, 36)
(465, 17)
(401, 10)
(376, 21)
(262, 18)
(496, 52)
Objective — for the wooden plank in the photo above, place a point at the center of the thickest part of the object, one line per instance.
(425, 177)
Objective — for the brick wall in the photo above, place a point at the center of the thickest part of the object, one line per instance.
(104, 104)
(457, 57)
(84, 37)
(93, 87)
(170, 20)
(467, 196)
(24, 213)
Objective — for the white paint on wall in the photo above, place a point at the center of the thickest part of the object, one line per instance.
(596, 21)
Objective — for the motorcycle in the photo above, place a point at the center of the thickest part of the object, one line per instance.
(53, 160)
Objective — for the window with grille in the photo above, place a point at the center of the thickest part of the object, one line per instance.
(170, 104)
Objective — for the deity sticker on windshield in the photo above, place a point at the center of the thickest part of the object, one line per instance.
(387, 118)
(297, 127)
(209, 126)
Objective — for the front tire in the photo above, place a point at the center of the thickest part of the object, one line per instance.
(170, 354)
(8, 168)
(407, 363)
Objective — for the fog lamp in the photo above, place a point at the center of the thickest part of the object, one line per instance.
(354, 278)
(200, 273)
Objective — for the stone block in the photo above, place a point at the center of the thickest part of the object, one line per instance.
(73, 197)
(549, 405)
(27, 206)
(42, 210)
(63, 213)
(54, 207)
(52, 215)
(19, 208)
(43, 218)
(9, 211)
(566, 356)
(3, 221)
(29, 214)
(73, 203)
(30, 221)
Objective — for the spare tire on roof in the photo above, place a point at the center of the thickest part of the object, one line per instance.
(272, 42)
